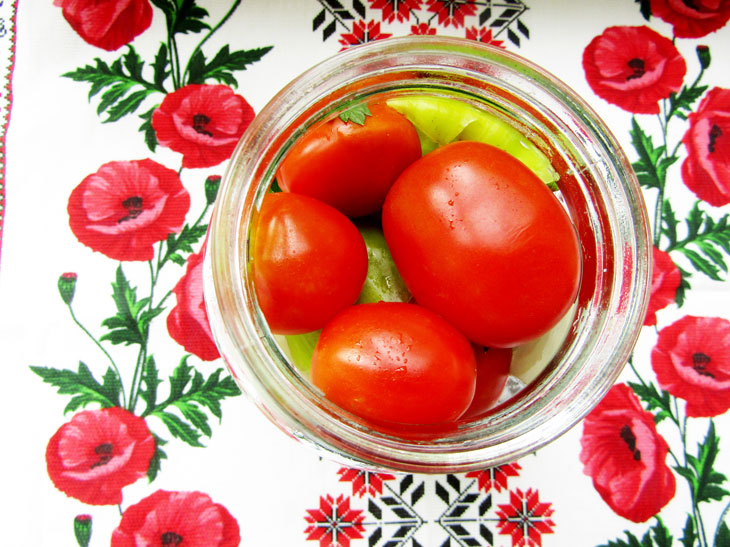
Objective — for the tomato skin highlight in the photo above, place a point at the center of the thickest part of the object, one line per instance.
(395, 362)
(309, 262)
(493, 365)
(480, 240)
(351, 166)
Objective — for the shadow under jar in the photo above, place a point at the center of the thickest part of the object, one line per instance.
(596, 186)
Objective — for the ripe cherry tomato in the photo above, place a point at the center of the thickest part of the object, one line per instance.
(348, 165)
(493, 366)
(309, 262)
(480, 240)
(395, 362)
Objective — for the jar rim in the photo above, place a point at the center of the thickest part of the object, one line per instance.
(607, 328)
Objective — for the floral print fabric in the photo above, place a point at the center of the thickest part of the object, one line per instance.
(127, 428)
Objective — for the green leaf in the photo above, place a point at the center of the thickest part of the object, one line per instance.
(150, 382)
(684, 286)
(707, 243)
(356, 114)
(123, 84)
(631, 541)
(649, 170)
(127, 105)
(191, 394)
(221, 67)
(661, 535)
(160, 66)
(688, 534)
(82, 385)
(150, 137)
(722, 536)
(124, 327)
(157, 457)
(669, 223)
(179, 428)
(685, 99)
(183, 242)
(706, 483)
(653, 398)
(645, 8)
(189, 18)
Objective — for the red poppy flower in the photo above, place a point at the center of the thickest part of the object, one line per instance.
(202, 122)
(126, 207)
(691, 360)
(334, 523)
(395, 9)
(665, 280)
(625, 456)
(525, 518)
(177, 518)
(99, 452)
(362, 33)
(484, 36)
(706, 170)
(633, 67)
(495, 477)
(188, 321)
(364, 482)
(452, 12)
(692, 19)
(108, 24)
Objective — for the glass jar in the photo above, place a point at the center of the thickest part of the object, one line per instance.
(598, 188)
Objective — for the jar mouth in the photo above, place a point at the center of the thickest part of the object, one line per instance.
(600, 192)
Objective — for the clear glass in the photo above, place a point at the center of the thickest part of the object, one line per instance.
(600, 191)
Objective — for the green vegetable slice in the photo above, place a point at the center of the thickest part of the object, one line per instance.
(383, 282)
(441, 120)
(301, 349)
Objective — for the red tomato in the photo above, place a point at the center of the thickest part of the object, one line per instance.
(309, 262)
(492, 372)
(395, 362)
(348, 165)
(480, 240)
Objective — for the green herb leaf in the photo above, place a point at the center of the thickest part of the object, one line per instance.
(221, 67)
(356, 114)
(129, 325)
(83, 387)
(160, 66)
(120, 83)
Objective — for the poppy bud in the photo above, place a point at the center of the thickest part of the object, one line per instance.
(211, 188)
(82, 530)
(703, 54)
(67, 286)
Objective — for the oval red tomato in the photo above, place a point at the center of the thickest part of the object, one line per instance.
(348, 165)
(480, 240)
(395, 362)
(493, 366)
(309, 262)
